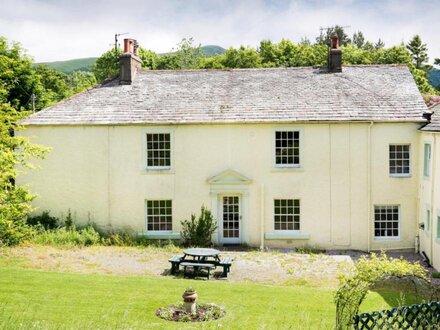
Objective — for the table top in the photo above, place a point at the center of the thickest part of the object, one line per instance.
(202, 252)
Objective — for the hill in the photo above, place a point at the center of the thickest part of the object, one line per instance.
(85, 64)
(434, 77)
(79, 64)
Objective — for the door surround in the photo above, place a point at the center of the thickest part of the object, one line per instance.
(230, 183)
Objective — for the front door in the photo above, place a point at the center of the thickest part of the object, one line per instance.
(230, 215)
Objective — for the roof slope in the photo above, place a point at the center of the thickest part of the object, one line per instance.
(359, 93)
(434, 125)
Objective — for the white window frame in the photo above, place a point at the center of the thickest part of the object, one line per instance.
(301, 143)
(428, 219)
(438, 226)
(274, 214)
(387, 238)
(400, 175)
(146, 216)
(427, 159)
(157, 130)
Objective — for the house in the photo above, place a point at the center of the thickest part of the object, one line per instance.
(283, 157)
(429, 193)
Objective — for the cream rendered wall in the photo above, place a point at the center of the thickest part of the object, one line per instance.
(99, 173)
(430, 198)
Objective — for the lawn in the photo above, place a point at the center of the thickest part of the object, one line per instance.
(39, 299)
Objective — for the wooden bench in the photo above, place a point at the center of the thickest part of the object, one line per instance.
(175, 262)
(197, 267)
(226, 264)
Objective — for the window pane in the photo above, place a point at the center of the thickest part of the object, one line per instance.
(286, 214)
(158, 150)
(386, 221)
(287, 148)
(399, 159)
(159, 215)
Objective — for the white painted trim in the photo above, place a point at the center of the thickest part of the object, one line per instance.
(157, 169)
(158, 232)
(401, 175)
(234, 240)
(388, 238)
(288, 167)
(287, 234)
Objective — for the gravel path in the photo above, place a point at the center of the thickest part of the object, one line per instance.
(269, 267)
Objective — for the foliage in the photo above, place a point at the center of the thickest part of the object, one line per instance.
(44, 219)
(150, 59)
(69, 237)
(421, 79)
(198, 231)
(324, 38)
(366, 272)
(107, 65)
(204, 312)
(15, 155)
(437, 61)
(78, 81)
(418, 50)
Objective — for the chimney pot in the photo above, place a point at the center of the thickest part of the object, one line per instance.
(334, 54)
(130, 63)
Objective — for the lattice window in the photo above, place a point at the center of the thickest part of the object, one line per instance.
(286, 214)
(158, 150)
(386, 221)
(159, 215)
(427, 160)
(287, 148)
(399, 159)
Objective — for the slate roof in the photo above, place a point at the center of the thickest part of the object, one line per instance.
(434, 125)
(359, 93)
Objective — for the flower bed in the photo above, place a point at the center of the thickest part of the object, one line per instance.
(204, 312)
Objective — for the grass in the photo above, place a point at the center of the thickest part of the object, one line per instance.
(52, 300)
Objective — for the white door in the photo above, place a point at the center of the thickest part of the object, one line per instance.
(230, 215)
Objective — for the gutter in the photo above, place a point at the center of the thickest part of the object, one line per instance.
(369, 185)
(433, 171)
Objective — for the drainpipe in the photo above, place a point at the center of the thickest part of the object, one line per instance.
(262, 217)
(433, 178)
(369, 201)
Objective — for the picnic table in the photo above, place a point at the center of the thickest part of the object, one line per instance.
(200, 259)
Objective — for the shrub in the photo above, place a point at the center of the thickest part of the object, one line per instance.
(44, 220)
(198, 231)
(69, 237)
(14, 232)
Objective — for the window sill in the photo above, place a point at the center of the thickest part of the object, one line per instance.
(161, 235)
(298, 168)
(286, 235)
(400, 176)
(387, 238)
(158, 170)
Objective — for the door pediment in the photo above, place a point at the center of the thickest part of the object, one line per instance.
(229, 177)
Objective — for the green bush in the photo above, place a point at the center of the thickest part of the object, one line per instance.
(198, 231)
(69, 237)
(14, 232)
(44, 220)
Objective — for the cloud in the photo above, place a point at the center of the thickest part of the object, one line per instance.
(58, 30)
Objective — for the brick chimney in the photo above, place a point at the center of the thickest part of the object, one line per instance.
(334, 55)
(130, 62)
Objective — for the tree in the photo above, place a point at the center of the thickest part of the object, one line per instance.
(150, 59)
(244, 57)
(78, 81)
(15, 153)
(418, 50)
(107, 65)
(437, 61)
(324, 38)
(358, 39)
(379, 44)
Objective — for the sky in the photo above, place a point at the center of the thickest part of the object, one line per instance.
(52, 30)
